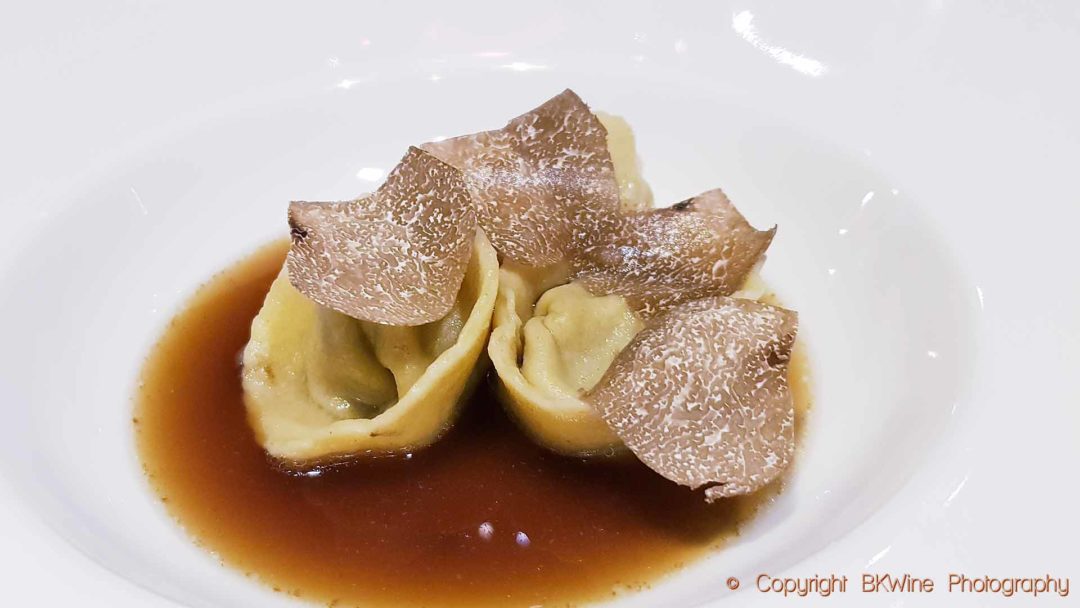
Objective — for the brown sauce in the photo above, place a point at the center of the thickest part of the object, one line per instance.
(403, 531)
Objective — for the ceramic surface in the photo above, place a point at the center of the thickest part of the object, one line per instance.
(918, 158)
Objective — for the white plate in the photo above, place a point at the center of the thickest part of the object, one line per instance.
(918, 159)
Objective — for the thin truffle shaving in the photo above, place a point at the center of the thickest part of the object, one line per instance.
(538, 181)
(658, 258)
(546, 193)
(397, 256)
(544, 190)
(701, 395)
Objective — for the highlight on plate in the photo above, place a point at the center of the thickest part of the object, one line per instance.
(614, 329)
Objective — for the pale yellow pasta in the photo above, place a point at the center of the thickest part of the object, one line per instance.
(320, 386)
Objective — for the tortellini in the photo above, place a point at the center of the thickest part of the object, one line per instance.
(614, 325)
(320, 385)
(550, 342)
(542, 392)
(551, 346)
(573, 337)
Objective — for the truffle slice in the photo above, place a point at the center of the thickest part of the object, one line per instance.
(546, 192)
(321, 387)
(541, 181)
(397, 256)
(658, 258)
(701, 395)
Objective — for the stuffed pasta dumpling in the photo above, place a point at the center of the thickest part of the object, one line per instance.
(356, 351)
(560, 324)
(551, 346)
(614, 328)
(320, 385)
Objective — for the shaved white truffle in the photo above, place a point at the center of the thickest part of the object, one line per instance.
(321, 387)
(538, 179)
(701, 395)
(396, 257)
(546, 193)
(658, 258)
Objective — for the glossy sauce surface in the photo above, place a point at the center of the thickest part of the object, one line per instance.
(483, 517)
